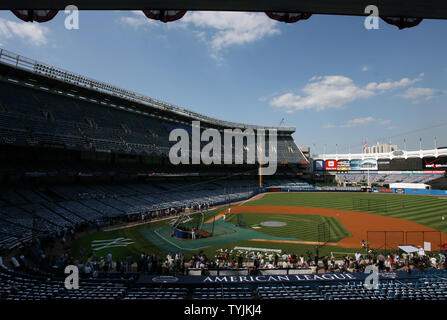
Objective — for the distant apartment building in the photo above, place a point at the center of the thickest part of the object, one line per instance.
(381, 148)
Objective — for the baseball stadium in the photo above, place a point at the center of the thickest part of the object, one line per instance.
(88, 182)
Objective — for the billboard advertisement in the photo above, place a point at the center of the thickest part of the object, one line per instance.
(435, 163)
(343, 165)
(319, 165)
(330, 165)
(362, 165)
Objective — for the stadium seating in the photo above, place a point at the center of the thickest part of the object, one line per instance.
(27, 210)
(35, 117)
(17, 286)
(386, 178)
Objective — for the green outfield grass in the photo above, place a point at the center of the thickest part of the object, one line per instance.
(425, 210)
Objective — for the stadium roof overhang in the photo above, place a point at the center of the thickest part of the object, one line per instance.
(28, 71)
(429, 9)
(55, 85)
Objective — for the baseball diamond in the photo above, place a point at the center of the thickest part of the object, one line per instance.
(296, 217)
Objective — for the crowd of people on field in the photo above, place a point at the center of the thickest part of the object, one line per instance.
(91, 265)
(326, 263)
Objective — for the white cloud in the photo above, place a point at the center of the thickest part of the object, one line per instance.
(384, 122)
(363, 121)
(138, 20)
(365, 68)
(389, 85)
(358, 122)
(418, 94)
(324, 92)
(218, 30)
(232, 28)
(221, 30)
(33, 33)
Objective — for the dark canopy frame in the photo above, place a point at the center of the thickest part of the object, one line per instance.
(429, 9)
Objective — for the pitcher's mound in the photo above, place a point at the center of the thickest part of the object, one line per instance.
(273, 224)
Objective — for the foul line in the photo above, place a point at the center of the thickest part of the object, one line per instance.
(237, 205)
(294, 242)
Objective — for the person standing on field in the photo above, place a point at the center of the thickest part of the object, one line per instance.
(332, 260)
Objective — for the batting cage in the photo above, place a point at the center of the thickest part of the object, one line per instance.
(240, 221)
(369, 205)
(184, 225)
(324, 233)
(205, 225)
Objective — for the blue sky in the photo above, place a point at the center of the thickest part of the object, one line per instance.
(328, 76)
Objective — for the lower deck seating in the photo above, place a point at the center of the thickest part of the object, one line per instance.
(14, 286)
(23, 210)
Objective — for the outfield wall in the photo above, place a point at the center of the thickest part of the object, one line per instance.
(311, 189)
(355, 189)
(413, 191)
